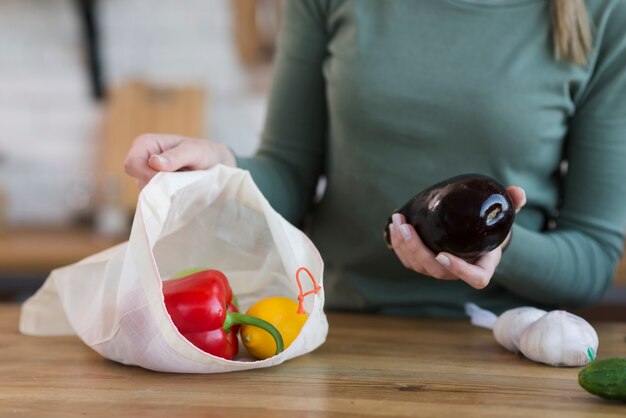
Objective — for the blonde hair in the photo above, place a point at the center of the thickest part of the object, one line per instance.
(571, 31)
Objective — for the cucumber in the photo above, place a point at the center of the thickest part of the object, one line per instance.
(605, 378)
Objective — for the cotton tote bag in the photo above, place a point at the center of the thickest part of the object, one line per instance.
(216, 219)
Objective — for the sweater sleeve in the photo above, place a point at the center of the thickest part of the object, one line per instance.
(575, 263)
(289, 161)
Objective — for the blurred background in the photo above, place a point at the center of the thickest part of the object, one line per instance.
(80, 79)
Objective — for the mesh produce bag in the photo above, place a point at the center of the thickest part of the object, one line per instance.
(218, 219)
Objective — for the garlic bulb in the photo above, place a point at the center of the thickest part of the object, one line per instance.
(557, 338)
(509, 326)
(560, 338)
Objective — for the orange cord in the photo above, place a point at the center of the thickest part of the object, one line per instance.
(316, 288)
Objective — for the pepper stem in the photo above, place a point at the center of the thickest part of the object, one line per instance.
(236, 318)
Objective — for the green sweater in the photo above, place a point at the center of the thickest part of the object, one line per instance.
(384, 98)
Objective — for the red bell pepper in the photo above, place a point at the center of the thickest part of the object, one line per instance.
(201, 306)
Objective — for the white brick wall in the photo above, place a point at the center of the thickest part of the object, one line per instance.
(48, 123)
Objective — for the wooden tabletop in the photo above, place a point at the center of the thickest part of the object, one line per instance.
(370, 366)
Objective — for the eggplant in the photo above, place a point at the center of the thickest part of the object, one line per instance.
(466, 215)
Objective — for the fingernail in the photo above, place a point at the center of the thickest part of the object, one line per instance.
(396, 219)
(406, 232)
(443, 260)
(161, 159)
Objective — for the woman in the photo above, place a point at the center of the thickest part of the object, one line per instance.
(386, 98)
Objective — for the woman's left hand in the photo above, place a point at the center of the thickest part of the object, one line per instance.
(416, 256)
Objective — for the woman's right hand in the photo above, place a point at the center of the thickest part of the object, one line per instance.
(151, 153)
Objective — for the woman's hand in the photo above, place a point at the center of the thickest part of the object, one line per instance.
(151, 153)
(416, 256)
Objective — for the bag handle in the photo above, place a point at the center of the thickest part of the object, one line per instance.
(302, 294)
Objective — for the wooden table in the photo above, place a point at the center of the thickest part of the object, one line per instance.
(369, 367)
